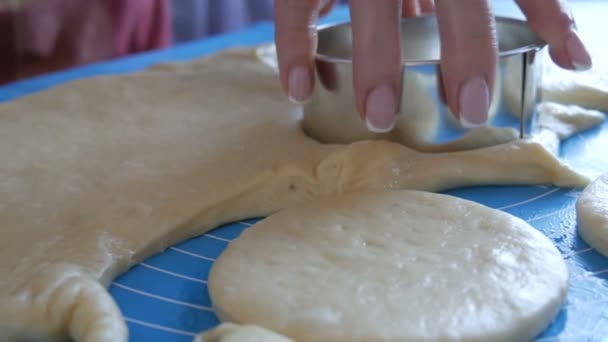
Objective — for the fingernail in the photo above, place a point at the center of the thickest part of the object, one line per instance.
(474, 103)
(579, 56)
(300, 85)
(380, 109)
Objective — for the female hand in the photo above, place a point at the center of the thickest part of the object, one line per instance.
(468, 45)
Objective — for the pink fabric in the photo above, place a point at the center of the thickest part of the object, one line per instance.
(139, 25)
(72, 32)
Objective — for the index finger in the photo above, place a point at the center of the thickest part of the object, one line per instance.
(377, 61)
(295, 39)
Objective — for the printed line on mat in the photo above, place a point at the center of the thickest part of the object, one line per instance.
(580, 251)
(215, 237)
(529, 199)
(553, 213)
(179, 250)
(177, 275)
(561, 338)
(596, 273)
(161, 298)
(159, 327)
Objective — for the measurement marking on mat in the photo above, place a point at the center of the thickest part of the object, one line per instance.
(570, 255)
(560, 338)
(529, 200)
(596, 273)
(191, 254)
(553, 213)
(573, 193)
(217, 238)
(177, 275)
(159, 327)
(161, 298)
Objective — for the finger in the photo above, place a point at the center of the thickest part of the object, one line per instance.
(410, 8)
(326, 7)
(295, 38)
(377, 61)
(554, 23)
(468, 57)
(414, 8)
(427, 6)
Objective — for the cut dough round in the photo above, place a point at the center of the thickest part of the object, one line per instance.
(592, 213)
(391, 266)
(229, 332)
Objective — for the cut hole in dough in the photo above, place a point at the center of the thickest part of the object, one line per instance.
(592, 213)
(447, 269)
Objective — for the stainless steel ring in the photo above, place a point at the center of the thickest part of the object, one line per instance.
(330, 115)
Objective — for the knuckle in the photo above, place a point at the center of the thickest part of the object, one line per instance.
(564, 21)
(301, 6)
(299, 15)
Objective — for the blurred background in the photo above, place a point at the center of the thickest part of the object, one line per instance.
(40, 36)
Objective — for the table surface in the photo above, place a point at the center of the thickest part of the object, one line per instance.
(165, 298)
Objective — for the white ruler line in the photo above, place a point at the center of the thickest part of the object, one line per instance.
(161, 298)
(159, 327)
(177, 275)
(551, 214)
(580, 251)
(217, 238)
(529, 199)
(596, 273)
(191, 254)
(563, 338)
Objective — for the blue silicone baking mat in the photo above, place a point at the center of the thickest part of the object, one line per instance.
(165, 297)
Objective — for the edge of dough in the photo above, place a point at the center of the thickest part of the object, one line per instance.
(592, 215)
(62, 301)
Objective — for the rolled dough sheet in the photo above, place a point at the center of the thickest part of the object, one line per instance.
(592, 214)
(587, 89)
(101, 173)
(391, 266)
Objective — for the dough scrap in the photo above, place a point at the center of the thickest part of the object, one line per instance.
(391, 266)
(100, 173)
(557, 122)
(587, 89)
(567, 120)
(230, 332)
(592, 214)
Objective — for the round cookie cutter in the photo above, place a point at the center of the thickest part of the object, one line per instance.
(330, 115)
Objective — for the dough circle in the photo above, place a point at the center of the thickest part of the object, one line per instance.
(391, 266)
(592, 213)
(230, 332)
